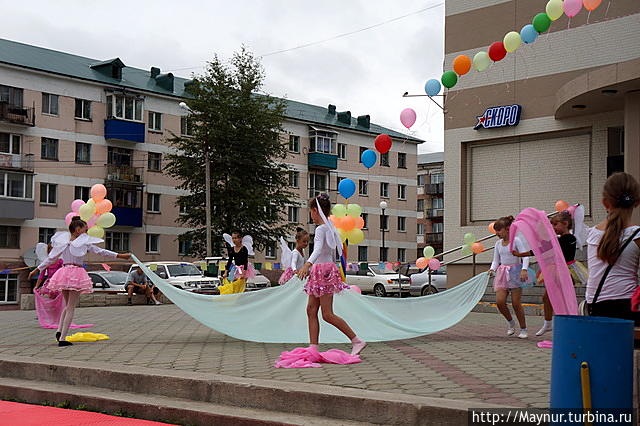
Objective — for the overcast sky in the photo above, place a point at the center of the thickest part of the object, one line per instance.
(366, 72)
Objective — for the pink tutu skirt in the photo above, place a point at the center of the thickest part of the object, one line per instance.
(324, 278)
(286, 276)
(249, 273)
(508, 277)
(71, 277)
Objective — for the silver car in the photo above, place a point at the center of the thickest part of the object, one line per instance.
(378, 281)
(108, 280)
(420, 282)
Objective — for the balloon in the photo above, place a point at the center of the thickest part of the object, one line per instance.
(432, 88)
(355, 236)
(91, 203)
(512, 41)
(359, 222)
(462, 64)
(347, 223)
(369, 158)
(96, 231)
(497, 51)
(76, 204)
(561, 205)
(466, 250)
(434, 264)
(347, 188)
(449, 79)
(339, 210)
(422, 263)
(554, 9)
(477, 248)
(103, 206)
(389, 266)
(355, 289)
(541, 22)
(98, 192)
(591, 5)
(481, 61)
(93, 220)
(86, 211)
(69, 216)
(343, 235)
(572, 7)
(572, 210)
(491, 228)
(382, 143)
(333, 219)
(407, 117)
(106, 220)
(469, 238)
(428, 252)
(528, 34)
(354, 210)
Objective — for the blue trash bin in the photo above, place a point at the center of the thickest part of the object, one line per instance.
(606, 344)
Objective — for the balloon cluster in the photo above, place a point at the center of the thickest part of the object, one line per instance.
(96, 211)
(347, 219)
(471, 246)
(383, 145)
(428, 260)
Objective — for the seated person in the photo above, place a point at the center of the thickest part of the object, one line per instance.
(138, 282)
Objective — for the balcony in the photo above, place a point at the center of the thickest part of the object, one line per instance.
(128, 216)
(320, 160)
(17, 114)
(434, 188)
(420, 215)
(123, 130)
(434, 238)
(117, 173)
(17, 209)
(435, 213)
(17, 161)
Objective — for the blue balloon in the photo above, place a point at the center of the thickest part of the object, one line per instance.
(369, 158)
(347, 188)
(432, 87)
(528, 34)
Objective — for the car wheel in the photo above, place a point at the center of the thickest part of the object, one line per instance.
(379, 290)
(427, 290)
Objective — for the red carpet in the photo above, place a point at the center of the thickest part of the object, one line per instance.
(15, 414)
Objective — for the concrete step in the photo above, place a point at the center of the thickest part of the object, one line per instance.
(243, 398)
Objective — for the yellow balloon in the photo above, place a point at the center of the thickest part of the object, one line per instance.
(106, 220)
(554, 9)
(512, 41)
(481, 61)
(355, 236)
(343, 235)
(96, 231)
(87, 211)
(91, 202)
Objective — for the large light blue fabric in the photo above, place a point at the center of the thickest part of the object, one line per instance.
(278, 314)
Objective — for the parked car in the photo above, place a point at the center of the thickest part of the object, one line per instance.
(183, 275)
(378, 281)
(256, 283)
(420, 282)
(108, 280)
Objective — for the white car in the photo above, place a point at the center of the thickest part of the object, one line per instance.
(108, 280)
(258, 282)
(378, 281)
(183, 275)
(420, 282)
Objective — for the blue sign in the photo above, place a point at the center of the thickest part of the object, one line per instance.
(500, 116)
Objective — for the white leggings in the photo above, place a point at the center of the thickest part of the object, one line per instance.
(71, 298)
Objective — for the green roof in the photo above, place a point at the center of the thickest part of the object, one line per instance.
(53, 61)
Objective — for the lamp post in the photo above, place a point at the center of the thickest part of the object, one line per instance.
(383, 207)
(207, 178)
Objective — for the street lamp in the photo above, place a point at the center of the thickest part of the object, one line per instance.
(383, 206)
(207, 178)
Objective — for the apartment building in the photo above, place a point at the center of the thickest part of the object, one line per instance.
(430, 203)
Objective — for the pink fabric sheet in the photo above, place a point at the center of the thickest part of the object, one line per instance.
(312, 358)
(49, 307)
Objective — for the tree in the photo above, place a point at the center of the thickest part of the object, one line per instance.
(241, 130)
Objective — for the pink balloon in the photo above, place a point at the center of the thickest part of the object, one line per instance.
(408, 117)
(76, 204)
(69, 216)
(572, 7)
(434, 264)
(571, 209)
(98, 192)
(355, 288)
(93, 220)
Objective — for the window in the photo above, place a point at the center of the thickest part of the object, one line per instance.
(437, 178)
(119, 156)
(9, 237)
(270, 250)
(384, 222)
(153, 203)
(422, 179)
(437, 203)
(363, 187)
(402, 224)
(186, 127)
(363, 253)
(384, 159)
(9, 144)
(342, 151)
(317, 184)
(48, 193)
(365, 218)
(11, 95)
(402, 192)
(16, 185)
(49, 149)
(384, 189)
(122, 197)
(420, 205)
(362, 149)
(294, 179)
(323, 141)
(184, 247)
(402, 255)
(384, 254)
(9, 288)
(153, 243)
(124, 107)
(293, 214)
(117, 241)
(294, 144)
(183, 208)
(438, 227)
(83, 153)
(81, 193)
(402, 160)
(45, 234)
(49, 104)
(83, 109)
(155, 121)
(420, 230)
(154, 161)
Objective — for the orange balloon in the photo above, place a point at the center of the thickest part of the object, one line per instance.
(477, 248)
(337, 221)
(462, 64)
(348, 223)
(98, 192)
(422, 263)
(591, 5)
(491, 228)
(359, 222)
(103, 206)
(561, 205)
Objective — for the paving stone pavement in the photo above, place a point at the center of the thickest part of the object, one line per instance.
(473, 360)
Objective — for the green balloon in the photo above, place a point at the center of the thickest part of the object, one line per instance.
(339, 210)
(449, 79)
(428, 252)
(541, 22)
(469, 238)
(354, 210)
(466, 250)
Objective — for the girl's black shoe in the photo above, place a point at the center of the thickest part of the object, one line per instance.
(64, 343)
(58, 334)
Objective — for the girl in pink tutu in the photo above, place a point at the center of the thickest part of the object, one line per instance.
(293, 261)
(71, 279)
